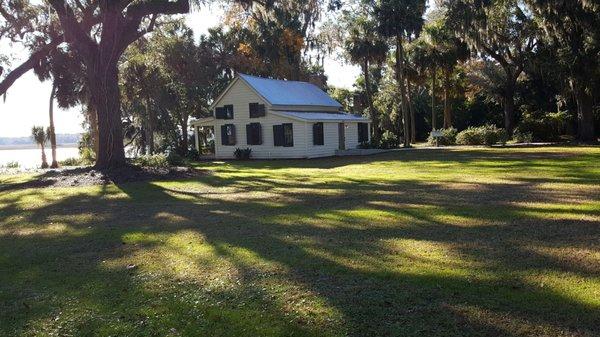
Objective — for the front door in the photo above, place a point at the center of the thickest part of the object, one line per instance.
(342, 135)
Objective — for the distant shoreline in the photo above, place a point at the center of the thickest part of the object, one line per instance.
(33, 146)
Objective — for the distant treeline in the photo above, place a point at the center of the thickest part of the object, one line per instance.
(71, 138)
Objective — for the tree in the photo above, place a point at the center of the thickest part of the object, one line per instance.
(364, 47)
(51, 129)
(449, 50)
(40, 136)
(401, 19)
(502, 30)
(572, 28)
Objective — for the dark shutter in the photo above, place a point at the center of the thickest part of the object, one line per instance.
(278, 138)
(256, 110)
(318, 136)
(249, 139)
(258, 134)
(288, 134)
(232, 140)
(224, 138)
(228, 111)
(220, 113)
(261, 111)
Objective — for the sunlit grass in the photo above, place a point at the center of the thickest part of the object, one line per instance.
(466, 242)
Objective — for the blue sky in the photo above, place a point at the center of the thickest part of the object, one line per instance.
(27, 101)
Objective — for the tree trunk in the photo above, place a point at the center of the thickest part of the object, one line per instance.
(52, 134)
(93, 119)
(400, 81)
(149, 128)
(44, 161)
(413, 124)
(509, 109)
(374, 116)
(433, 87)
(184, 137)
(447, 111)
(105, 98)
(585, 114)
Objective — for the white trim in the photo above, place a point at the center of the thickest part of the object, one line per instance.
(336, 120)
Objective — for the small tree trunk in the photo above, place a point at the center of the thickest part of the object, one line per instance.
(400, 81)
(374, 116)
(44, 161)
(433, 103)
(52, 134)
(585, 114)
(184, 136)
(105, 98)
(509, 110)
(413, 124)
(447, 110)
(150, 128)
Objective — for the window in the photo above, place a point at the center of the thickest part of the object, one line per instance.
(225, 112)
(257, 110)
(228, 134)
(254, 134)
(318, 136)
(283, 135)
(363, 133)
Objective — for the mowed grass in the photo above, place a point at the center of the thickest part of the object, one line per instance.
(463, 242)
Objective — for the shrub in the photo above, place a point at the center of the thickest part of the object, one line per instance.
(522, 137)
(87, 156)
(71, 162)
(243, 154)
(389, 140)
(12, 165)
(175, 159)
(156, 160)
(543, 126)
(482, 135)
(448, 137)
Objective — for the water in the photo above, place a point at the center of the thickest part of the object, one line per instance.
(32, 158)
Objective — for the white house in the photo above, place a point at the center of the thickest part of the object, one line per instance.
(280, 119)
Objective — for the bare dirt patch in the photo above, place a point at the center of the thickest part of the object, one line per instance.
(88, 176)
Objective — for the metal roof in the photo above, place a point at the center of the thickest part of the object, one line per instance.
(279, 92)
(322, 116)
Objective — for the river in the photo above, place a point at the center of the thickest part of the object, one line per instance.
(32, 158)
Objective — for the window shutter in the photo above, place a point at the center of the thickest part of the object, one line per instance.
(258, 133)
(232, 140)
(278, 135)
(224, 138)
(228, 112)
(318, 136)
(249, 134)
(261, 111)
(288, 135)
(220, 113)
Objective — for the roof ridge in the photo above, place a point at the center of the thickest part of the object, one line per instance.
(274, 79)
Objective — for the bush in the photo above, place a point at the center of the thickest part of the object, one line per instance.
(175, 159)
(12, 165)
(448, 137)
(482, 135)
(389, 140)
(87, 156)
(156, 160)
(71, 162)
(243, 154)
(522, 137)
(543, 127)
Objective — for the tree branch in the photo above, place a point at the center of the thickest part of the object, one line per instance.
(75, 32)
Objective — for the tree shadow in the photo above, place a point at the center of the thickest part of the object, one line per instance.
(389, 258)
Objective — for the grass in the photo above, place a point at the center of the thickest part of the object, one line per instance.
(464, 242)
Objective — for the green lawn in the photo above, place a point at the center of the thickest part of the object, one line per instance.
(463, 242)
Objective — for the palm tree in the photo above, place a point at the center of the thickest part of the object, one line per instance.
(365, 47)
(40, 136)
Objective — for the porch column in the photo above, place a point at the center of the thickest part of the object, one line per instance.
(196, 129)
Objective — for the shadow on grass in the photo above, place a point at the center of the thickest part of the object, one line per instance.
(330, 243)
